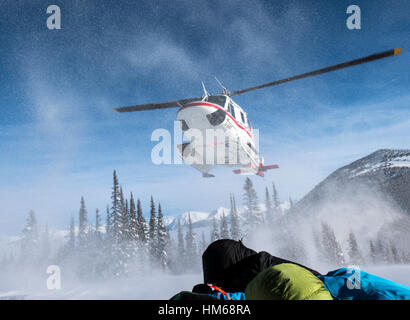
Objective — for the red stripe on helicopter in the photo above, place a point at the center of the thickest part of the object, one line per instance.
(216, 107)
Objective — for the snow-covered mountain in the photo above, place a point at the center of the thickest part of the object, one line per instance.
(385, 172)
(205, 219)
(198, 219)
(382, 161)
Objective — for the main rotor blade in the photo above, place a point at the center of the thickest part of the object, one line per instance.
(381, 55)
(159, 105)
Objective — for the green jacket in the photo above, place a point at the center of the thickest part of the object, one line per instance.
(286, 281)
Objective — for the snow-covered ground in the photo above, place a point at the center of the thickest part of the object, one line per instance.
(156, 286)
(397, 273)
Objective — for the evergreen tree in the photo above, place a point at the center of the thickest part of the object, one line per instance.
(82, 224)
(117, 244)
(91, 236)
(124, 221)
(354, 252)
(98, 235)
(291, 205)
(317, 239)
(373, 251)
(235, 228)
(395, 255)
(143, 232)
(153, 231)
(71, 236)
(382, 251)
(203, 244)
(190, 241)
(224, 227)
(169, 248)
(181, 246)
(331, 246)
(133, 221)
(162, 239)
(268, 208)
(116, 210)
(30, 240)
(276, 202)
(120, 217)
(214, 233)
(254, 216)
(108, 222)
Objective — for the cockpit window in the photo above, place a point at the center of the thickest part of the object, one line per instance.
(243, 118)
(219, 100)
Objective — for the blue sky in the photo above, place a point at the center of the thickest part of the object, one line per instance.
(60, 139)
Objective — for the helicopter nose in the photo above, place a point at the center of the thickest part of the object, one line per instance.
(199, 115)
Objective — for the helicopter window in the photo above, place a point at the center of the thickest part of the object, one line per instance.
(217, 117)
(231, 110)
(243, 117)
(184, 125)
(219, 100)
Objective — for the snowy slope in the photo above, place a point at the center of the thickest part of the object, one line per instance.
(385, 172)
(379, 161)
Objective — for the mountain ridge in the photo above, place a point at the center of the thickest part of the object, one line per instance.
(385, 172)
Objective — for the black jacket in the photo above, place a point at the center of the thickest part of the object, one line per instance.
(231, 266)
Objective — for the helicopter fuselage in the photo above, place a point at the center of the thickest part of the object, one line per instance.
(215, 124)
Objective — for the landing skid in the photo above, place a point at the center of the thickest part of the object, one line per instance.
(207, 175)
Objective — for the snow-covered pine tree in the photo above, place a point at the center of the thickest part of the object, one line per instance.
(153, 224)
(203, 243)
(181, 247)
(117, 245)
(382, 250)
(224, 227)
(30, 240)
(82, 224)
(275, 202)
(235, 226)
(169, 248)
(71, 236)
(268, 208)
(291, 205)
(123, 218)
(331, 246)
(90, 235)
(214, 232)
(317, 240)
(355, 256)
(254, 216)
(107, 222)
(373, 251)
(190, 243)
(115, 218)
(133, 221)
(395, 255)
(98, 235)
(143, 232)
(162, 240)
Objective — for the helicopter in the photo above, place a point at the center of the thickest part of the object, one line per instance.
(221, 112)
